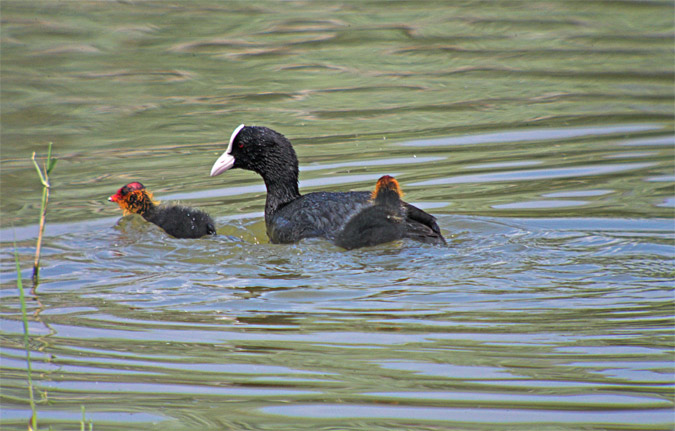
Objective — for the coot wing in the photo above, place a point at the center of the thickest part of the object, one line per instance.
(321, 214)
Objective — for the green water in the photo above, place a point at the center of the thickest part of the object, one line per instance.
(539, 133)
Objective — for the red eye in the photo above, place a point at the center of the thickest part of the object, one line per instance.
(241, 145)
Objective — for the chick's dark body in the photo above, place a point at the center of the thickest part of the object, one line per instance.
(180, 221)
(387, 218)
(176, 220)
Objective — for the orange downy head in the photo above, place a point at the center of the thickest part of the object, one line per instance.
(133, 198)
(387, 182)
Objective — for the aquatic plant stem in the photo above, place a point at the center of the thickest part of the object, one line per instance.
(32, 424)
(38, 247)
(83, 422)
(44, 179)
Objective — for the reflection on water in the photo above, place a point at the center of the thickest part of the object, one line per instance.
(535, 174)
(541, 137)
(523, 417)
(535, 136)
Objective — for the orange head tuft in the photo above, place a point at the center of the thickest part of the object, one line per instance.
(387, 182)
(133, 198)
(123, 191)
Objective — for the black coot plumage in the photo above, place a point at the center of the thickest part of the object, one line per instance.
(176, 220)
(387, 219)
(290, 216)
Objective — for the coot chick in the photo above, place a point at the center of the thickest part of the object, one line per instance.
(384, 221)
(290, 216)
(176, 220)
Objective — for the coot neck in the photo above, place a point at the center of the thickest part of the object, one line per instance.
(388, 198)
(279, 170)
(150, 213)
(145, 207)
(280, 191)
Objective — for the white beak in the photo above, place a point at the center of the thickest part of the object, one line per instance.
(226, 160)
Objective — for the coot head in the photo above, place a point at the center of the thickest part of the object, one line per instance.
(261, 150)
(133, 198)
(124, 191)
(387, 191)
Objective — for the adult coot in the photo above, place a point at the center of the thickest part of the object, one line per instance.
(290, 216)
(176, 220)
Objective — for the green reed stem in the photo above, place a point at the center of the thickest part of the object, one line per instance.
(44, 179)
(84, 421)
(32, 425)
